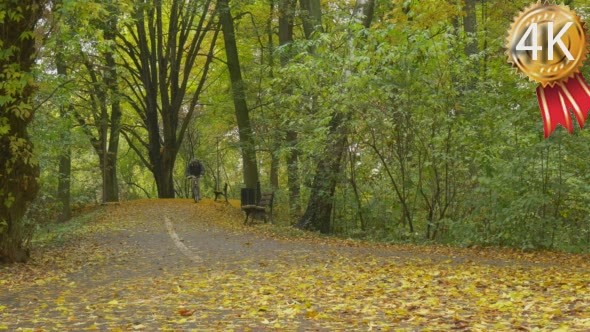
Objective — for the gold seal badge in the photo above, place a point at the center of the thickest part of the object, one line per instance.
(547, 43)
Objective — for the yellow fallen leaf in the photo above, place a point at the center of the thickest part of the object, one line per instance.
(311, 314)
(113, 302)
(60, 300)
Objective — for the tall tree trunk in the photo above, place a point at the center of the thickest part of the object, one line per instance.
(276, 143)
(65, 158)
(311, 17)
(286, 21)
(105, 106)
(250, 168)
(484, 19)
(293, 181)
(319, 208)
(64, 176)
(18, 169)
(470, 27)
(110, 78)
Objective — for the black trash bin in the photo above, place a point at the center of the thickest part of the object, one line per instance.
(248, 196)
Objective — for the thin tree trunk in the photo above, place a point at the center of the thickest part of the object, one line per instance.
(104, 95)
(293, 181)
(111, 185)
(470, 27)
(286, 22)
(250, 167)
(64, 176)
(65, 158)
(359, 203)
(456, 19)
(274, 172)
(275, 144)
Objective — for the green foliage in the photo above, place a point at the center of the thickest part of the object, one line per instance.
(441, 146)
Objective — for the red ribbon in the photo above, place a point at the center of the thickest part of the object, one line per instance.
(556, 102)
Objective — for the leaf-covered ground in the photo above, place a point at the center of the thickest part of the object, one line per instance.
(176, 265)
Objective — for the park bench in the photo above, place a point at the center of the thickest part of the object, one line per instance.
(221, 193)
(257, 206)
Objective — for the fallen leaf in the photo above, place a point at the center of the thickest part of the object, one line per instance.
(186, 312)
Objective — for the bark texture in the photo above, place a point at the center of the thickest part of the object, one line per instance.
(18, 167)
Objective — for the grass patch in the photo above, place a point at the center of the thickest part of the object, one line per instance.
(58, 233)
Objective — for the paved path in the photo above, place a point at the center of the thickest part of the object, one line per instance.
(176, 265)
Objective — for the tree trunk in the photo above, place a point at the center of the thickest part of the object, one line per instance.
(353, 183)
(110, 78)
(293, 181)
(104, 95)
(318, 213)
(470, 27)
(65, 159)
(274, 171)
(319, 208)
(286, 17)
(164, 177)
(275, 144)
(18, 169)
(311, 17)
(63, 187)
(108, 170)
(167, 59)
(286, 21)
(250, 168)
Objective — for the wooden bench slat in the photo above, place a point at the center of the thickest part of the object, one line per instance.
(266, 201)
